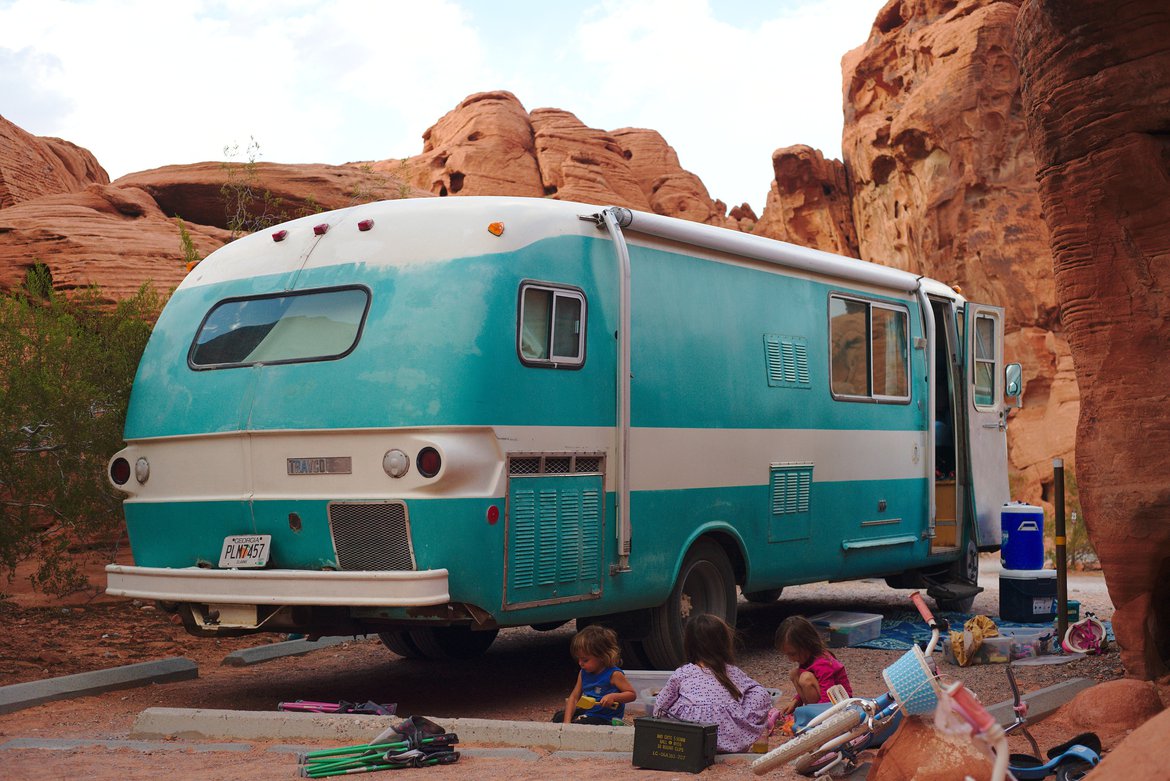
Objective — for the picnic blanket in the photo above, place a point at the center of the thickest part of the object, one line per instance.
(900, 631)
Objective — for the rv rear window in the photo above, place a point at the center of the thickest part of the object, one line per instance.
(551, 326)
(315, 325)
(869, 350)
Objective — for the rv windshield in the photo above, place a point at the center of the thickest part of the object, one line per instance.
(315, 325)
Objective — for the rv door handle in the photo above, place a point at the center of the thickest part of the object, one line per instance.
(1001, 426)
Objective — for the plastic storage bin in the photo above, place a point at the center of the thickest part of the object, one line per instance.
(1028, 643)
(839, 628)
(1021, 536)
(1027, 596)
(647, 683)
(993, 650)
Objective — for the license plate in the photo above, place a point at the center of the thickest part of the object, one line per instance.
(245, 550)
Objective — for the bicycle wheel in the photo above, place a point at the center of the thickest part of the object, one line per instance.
(1073, 770)
(809, 742)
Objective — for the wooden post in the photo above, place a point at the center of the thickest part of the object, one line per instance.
(1061, 553)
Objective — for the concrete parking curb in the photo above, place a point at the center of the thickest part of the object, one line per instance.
(25, 695)
(264, 653)
(1042, 702)
(200, 724)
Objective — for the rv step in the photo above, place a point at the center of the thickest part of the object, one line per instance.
(952, 592)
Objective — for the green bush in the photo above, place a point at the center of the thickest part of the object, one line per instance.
(66, 367)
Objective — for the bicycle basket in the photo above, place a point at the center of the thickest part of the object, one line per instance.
(912, 683)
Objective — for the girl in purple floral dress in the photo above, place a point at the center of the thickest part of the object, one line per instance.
(712, 690)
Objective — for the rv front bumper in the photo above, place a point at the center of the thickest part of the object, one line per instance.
(280, 586)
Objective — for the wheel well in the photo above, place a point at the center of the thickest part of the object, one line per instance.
(730, 546)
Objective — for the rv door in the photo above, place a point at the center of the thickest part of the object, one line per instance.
(987, 419)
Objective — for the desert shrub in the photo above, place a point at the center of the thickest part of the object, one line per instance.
(66, 367)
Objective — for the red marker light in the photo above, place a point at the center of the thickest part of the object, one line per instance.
(279, 235)
(120, 471)
(320, 230)
(429, 462)
(493, 515)
(365, 225)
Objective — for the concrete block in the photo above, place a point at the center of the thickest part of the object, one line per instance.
(264, 653)
(69, 744)
(25, 695)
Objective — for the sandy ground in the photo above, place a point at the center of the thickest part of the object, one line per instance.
(524, 676)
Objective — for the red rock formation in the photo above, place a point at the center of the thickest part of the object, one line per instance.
(1097, 100)
(943, 183)
(483, 146)
(579, 163)
(195, 192)
(31, 167)
(1141, 755)
(672, 190)
(110, 236)
(1112, 710)
(808, 203)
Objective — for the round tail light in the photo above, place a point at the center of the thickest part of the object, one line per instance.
(120, 471)
(429, 462)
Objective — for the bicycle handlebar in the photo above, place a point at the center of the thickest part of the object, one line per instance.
(923, 610)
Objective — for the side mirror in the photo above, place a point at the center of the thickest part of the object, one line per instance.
(1013, 386)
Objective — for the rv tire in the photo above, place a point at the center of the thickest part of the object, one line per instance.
(399, 642)
(452, 642)
(705, 584)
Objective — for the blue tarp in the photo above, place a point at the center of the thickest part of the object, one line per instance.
(901, 631)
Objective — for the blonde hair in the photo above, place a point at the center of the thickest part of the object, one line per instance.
(597, 640)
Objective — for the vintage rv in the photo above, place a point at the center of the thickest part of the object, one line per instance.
(434, 418)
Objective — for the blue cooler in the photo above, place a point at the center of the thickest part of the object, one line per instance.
(1022, 536)
(1027, 596)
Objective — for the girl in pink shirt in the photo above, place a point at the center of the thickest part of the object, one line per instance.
(816, 668)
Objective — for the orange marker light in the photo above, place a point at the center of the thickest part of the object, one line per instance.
(496, 229)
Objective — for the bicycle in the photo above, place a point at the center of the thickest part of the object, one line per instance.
(1070, 761)
(842, 731)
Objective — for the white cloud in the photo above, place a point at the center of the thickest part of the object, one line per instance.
(143, 83)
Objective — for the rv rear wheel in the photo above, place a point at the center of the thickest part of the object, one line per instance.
(398, 641)
(706, 584)
(452, 642)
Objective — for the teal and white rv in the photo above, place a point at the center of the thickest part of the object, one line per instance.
(434, 418)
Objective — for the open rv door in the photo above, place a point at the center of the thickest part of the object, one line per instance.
(987, 419)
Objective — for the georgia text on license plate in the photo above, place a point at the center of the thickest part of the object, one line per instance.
(245, 550)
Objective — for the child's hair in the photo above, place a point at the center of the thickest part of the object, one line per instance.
(709, 641)
(799, 633)
(597, 640)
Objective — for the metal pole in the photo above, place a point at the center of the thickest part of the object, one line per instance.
(1061, 563)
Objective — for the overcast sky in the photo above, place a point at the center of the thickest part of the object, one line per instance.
(146, 83)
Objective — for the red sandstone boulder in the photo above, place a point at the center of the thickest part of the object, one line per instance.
(579, 163)
(31, 167)
(919, 752)
(809, 202)
(1112, 709)
(110, 236)
(1097, 101)
(1142, 755)
(672, 190)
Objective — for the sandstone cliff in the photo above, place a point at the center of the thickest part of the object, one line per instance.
(31, 167)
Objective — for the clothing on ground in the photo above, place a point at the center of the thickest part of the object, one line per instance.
(693, 693)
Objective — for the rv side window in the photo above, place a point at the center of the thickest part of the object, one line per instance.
(314, 325)
(869, 350)
(984, 368)
(551, 328)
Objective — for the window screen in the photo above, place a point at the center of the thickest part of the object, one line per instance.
(289, 328)
(551, 326)
(984, 368)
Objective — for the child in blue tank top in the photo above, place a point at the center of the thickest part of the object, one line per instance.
(596, 650)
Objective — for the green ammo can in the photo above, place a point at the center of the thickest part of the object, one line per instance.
(669, 744)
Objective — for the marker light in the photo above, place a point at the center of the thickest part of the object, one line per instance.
(396, 463)
(142, 470)
(429, 462)
(496, 229)
(493, 515)
(319, 230)
(279, 235)
(365, 225)
(120, 471)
